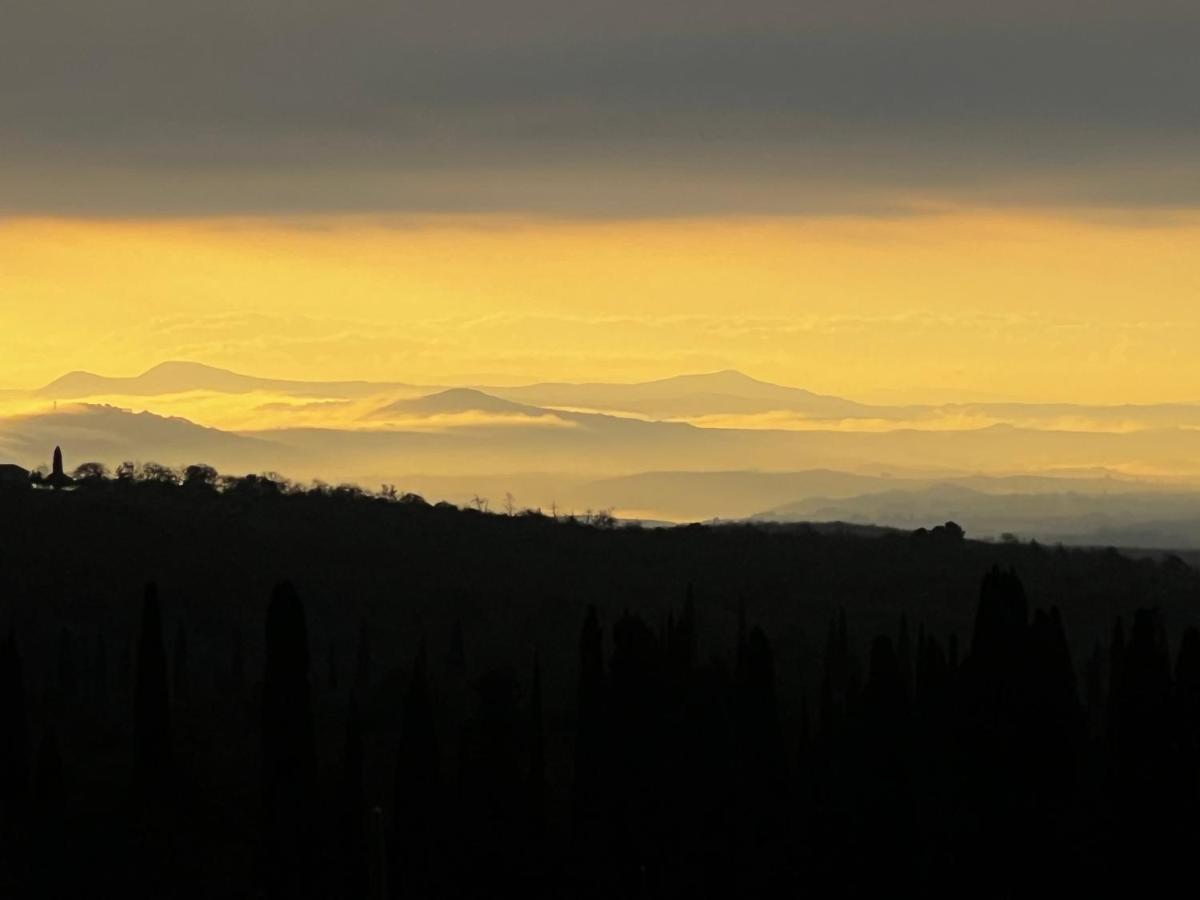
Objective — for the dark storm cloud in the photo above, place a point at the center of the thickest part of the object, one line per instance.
(624, 107)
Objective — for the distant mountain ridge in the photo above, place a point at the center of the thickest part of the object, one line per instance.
(176, 377)
(728, 393)
(741, 494)
(455, 400)
(1135, 518)
(609, 461)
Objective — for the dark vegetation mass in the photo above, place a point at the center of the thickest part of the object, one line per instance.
(219, 687)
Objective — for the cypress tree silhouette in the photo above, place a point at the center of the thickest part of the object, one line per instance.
(686, 633)
(456, 658)
(179, 667)
(1054, 693)
(994, 688)
(1143, 714)
(934, 765)
(932, 677)
(14, 760)
(679, 645)
(591, 796)
(904, 657)
(354, 815)
(806, 763)
(884, 696)
(759, 735)
(237, 665)
(1001, 620)
(1096, 711)
(840, 668)
(1187, 692)
(125, 670)
(827, 711)
(49, 831)
(362, 661)
(1186, 715)
(331, 675)
(1145, 773)
(739, 659)
(887, 792)
(151, 706)
(68, 667)
(637, 753)
(100, 670)
(494, 814)
(536, 778)
(288, 752)
(416, 807)
(1055, 732)
(378, 887)
(1116, 670)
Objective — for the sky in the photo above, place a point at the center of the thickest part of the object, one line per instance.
(873, 199)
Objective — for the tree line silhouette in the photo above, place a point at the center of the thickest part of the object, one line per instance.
(634, 749)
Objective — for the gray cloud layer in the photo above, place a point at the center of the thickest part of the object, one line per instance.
(621, 107)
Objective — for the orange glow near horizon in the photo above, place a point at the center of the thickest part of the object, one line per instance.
(1010, 306)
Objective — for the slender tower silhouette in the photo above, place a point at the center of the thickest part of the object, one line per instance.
(58, 478)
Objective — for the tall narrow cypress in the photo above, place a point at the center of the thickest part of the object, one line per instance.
(761, 755)
(68, 667)
(378, 869)
(355, 863)
(14, 757)
(590, 735)
(237, 664)
(100, 670)
(416, 784)
(362, 661)
(151, 707)
(49, 807)
(331, 675)
(179, 666)
(288, 751)
(537, 756)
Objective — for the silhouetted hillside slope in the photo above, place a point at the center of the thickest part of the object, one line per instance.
(110, 435)
(214, 685)
(412, 568)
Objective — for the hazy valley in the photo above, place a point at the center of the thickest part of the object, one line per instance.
(696, 447)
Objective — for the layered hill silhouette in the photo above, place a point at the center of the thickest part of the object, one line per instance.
(1126, 517)
(726, 392)
(692, 447)
(453, 401)
(741, 494)
(107, 434)
(176, 377)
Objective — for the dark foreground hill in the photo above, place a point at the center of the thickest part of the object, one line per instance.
(560, 708)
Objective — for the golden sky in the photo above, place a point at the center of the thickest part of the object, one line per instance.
(1001, 304)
